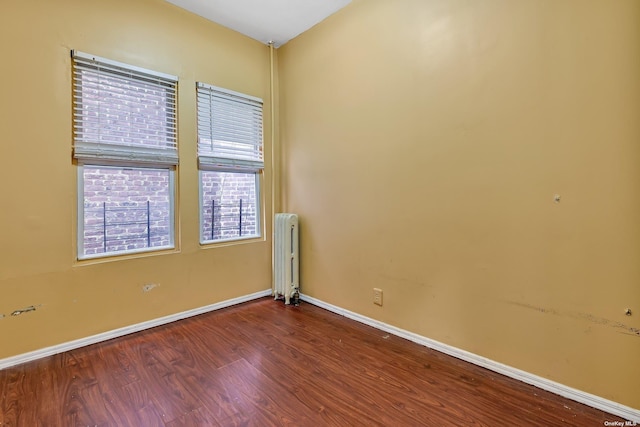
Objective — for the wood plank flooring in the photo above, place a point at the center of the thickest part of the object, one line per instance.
(265, 364)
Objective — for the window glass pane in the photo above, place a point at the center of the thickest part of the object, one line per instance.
(229, 205)
(125, 209)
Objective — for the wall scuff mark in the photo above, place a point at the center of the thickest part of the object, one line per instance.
(613, 324)
(24, 310)
(149, 286)
(625, 329)
(533, 307)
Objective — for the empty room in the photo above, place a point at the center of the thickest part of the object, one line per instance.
(320, 212)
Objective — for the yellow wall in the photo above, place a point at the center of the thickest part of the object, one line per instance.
(38, 196)
(423, 143)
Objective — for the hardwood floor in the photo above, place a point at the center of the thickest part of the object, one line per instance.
(264, 364)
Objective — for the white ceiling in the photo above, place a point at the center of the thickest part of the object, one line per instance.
(265, 20)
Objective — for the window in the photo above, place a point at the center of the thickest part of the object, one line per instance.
(230, 159)
(125, 145)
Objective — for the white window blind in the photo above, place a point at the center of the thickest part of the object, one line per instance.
(123, 113)
(229, 130)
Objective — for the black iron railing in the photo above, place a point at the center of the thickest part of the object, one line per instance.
(122, 225)
(114, 228)
(228, 220)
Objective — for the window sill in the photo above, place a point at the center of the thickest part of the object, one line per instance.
(125, 255)
(231, 242)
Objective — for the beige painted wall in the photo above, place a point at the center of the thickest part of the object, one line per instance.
(423, 144)
(38, 196)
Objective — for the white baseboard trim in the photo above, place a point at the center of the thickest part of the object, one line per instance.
(49, 351)
(594, 401)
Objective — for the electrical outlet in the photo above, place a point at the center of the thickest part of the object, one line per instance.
(377, 296)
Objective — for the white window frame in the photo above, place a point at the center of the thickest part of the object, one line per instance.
(229, 161)
(88, 152)
(258, 234)
(80, 242)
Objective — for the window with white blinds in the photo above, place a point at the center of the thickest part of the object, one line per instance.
(123, 113)
(124, 138)
(230, 158)
(229, 130)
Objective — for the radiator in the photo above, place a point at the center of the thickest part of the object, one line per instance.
(286, 257)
